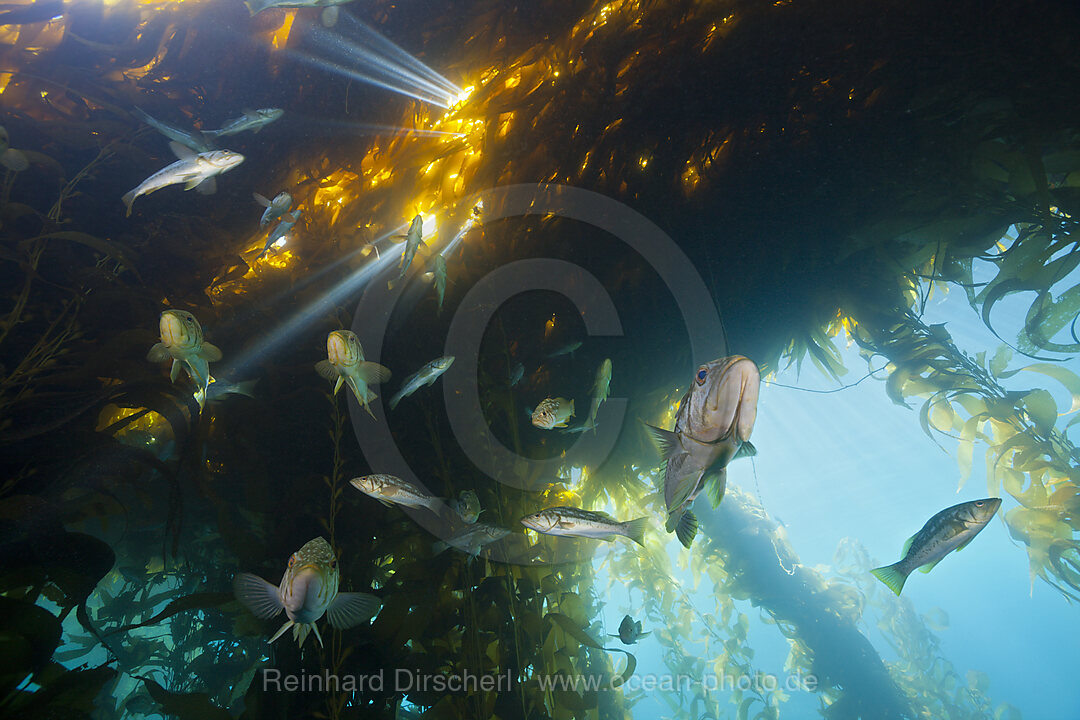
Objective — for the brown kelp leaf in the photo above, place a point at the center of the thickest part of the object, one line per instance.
(28, 636)
(69, 696)
(189, 706)
(105, 247)
(195, 601)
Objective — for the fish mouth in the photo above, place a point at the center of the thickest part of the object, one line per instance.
(172, 330)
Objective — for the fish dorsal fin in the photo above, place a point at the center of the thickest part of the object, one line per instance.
(907, 546)
(667, 442)
(745, 450)
(182, 151)
(929, 566)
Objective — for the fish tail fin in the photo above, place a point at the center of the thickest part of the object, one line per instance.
(439, 546)
(635, 530)
(395, 400)
(129, 200)
(686, 529)
(893, 577)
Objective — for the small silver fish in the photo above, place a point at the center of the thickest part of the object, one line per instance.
(630, 631)
(413, 240)
(193, 139)
(280, 232)
(254, 120)
(194, 170)
(329, 16)
(467, 506)
(951, 529)
(517, 371)
(575, 522)
(391, 490)
(308, 590)
(438, 277)
(182, 341)
(275, 208)
(712, 428)
(601, 387)
(345, 364)
(471, 539)
(565, 350)
(553, 413)
(219, 390)
(424, 376)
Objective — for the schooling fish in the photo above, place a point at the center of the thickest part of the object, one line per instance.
(438, 276)
(219, 390)
(517, 371)
(413, 240)
(345, 364)
(254, 120)
(601, 386)
(274, 208)
(424, 376)
(951, 529)
(189, 138)
(553, 413)
(194, 170)
(630, 631)
(390, 490)
(182, 340)
(280, 232)
(329, 15)
(712, 428)
(566, 350)
(574, 522)
(308, 590)
(467, 506)
(471, 539)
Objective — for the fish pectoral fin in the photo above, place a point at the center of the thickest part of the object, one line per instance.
(210, 352)
(387, 503)
(257, 595)
(207, 186)
(686, 529)
(352, 608)
(265, 202)
(326, 370)
(373, 373)
(907, 546)
(745, 450)
(964, 544)
(666, 441)
(714, 485)
(930, 566)
(644, 634)
(182, 151)
(158, 353)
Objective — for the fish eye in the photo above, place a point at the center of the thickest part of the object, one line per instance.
(701, 374)
(333, 564)
(292, 560)
(979, 503)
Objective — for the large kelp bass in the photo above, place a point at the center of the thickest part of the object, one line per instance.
(712, 428)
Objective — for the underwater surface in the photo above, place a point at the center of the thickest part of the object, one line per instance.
(561, 359)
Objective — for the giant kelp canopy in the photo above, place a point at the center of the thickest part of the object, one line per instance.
(822, 164)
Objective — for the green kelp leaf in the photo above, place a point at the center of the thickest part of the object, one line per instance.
(965, 451)
(1067, 378)
(1005, 711)
(105, 247)
(936, 619)
(195, 601)
(744, 707)
(574, 630)
(1000, 361)
(978, 681)
(894, 386)
(1042, 410)
(189, 706)
(1046, 317)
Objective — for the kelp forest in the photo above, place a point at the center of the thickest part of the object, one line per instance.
(825, 167)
